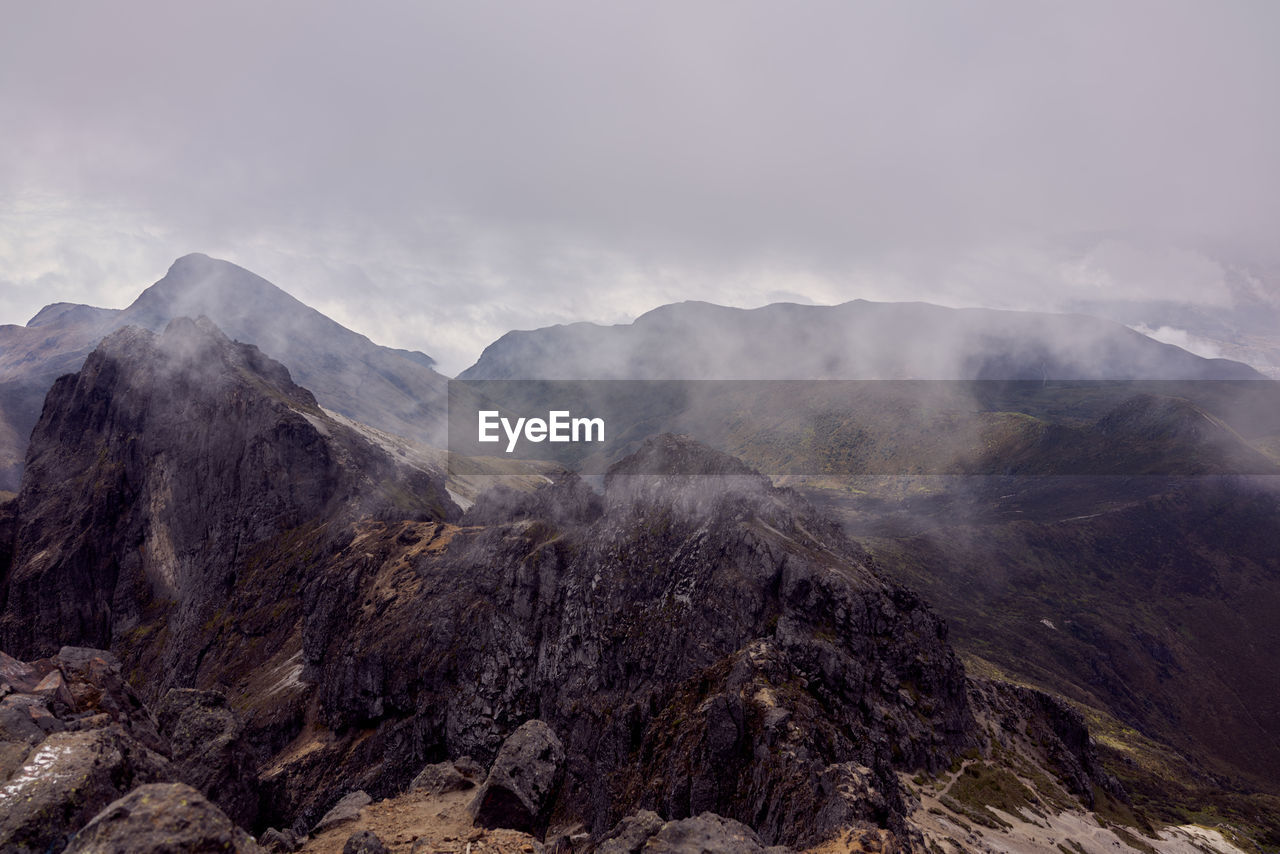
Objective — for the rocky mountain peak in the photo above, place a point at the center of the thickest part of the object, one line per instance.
(197, 284)
(156, 468)
(390, 389)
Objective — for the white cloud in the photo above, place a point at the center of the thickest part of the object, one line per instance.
(1181, 338)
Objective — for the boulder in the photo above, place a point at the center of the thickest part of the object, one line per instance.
(346, 809)
(25, 720)
(520, 787)
(280, 841)
(629, 835)
(96, 681)
(707, 833)
(68, 778)
(53, 687)
(364, 842)
(162, 818)
(20, 675)
(442, 777)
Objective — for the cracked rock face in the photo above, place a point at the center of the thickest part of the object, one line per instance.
(152, 477)
(697, 644)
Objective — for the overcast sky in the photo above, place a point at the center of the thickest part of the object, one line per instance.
(433, 174)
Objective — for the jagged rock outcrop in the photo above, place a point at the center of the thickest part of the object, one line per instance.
(73, 737)
(699, 644)
(155, 479)
(1033, 723)
(162, 818)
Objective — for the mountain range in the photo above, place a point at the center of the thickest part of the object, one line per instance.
(393, 390)
(855, 340)
(690, 647)
(293, 607)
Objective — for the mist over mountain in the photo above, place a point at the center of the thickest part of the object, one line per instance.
(259, 569)
(195, 447)
(854, 340)
(394, 390)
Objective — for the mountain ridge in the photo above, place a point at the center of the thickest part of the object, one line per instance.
(858, 339)
(394, 390)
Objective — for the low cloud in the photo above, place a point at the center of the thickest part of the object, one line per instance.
(434, 174)
(1181, 338)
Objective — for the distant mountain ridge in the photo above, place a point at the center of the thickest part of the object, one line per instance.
(399, 391)
(393, 390)
(853, 340)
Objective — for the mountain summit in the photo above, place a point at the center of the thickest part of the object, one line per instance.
(394, 390)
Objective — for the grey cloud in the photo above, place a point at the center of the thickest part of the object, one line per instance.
(393, 159)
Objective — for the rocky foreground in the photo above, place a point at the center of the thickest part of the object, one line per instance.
(307, 638)
(90, 768)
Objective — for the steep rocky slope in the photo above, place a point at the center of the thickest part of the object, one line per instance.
(697, 646)
(154, 474)
(701, 642)
(391, 389)
(1148, 600)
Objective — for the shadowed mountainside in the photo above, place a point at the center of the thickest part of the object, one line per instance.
(154, 471)
(1148, 600)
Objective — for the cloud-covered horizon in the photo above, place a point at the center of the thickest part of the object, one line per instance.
(433, 175)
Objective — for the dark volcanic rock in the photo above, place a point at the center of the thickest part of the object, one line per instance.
(629, 835)
(152, 477)
(1033, 722)
(280, 840)
(162, 818)
(442, 777)
(73, 737)
(698, 643)
(364, 842)
(67, 779)
(707, 834)
(706, 643)
(210, 750)
(346, 809)
(522, 782)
